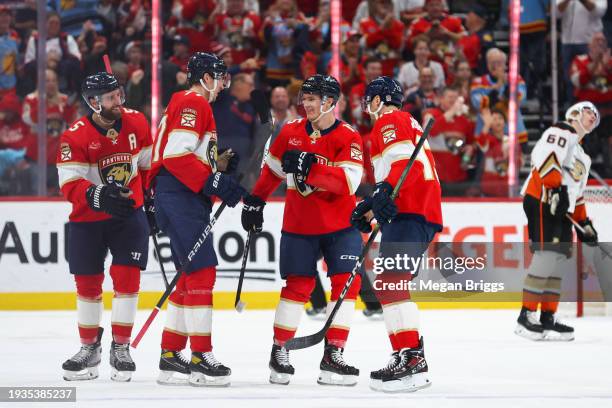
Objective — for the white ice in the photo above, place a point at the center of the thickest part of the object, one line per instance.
(475, 360)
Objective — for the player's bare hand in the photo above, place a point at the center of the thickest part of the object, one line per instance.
(227, 161)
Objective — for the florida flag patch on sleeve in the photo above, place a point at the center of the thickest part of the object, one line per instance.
(388, 134)
(356, 152)
(188, 118)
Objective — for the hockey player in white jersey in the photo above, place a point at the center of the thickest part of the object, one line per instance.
(554, 189)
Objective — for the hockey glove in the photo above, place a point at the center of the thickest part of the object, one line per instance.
(252, 213)
(226, 187)
(358, 219)
(559, 202)
(589, 236)
(149, 209)
(383, 207)
(297, 162)
(112, 199)
(227, 161)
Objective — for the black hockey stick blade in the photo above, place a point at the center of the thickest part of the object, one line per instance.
(298, 343)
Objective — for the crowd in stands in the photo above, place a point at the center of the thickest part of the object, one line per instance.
(444, 54)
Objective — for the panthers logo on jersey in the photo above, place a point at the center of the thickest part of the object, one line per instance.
(302, 187)
(211, 155)
(116, 169)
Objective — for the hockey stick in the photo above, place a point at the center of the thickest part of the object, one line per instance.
(161, 263)
(239, 304)
(297, 343)
(581, 229)
(264, 114)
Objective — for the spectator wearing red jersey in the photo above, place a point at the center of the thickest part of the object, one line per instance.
(461, 78)
(408, 75)
(236, 28)
(437, 24)
(451, 141)
(16, 149)
(382, 35)
(351, 69)
(372, 70)
(591, 75)
(478, 40)
(60, 113)
(180, 52)
(493, 142)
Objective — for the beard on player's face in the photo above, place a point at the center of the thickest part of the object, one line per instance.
(112, 113)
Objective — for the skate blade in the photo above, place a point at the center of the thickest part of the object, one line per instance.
(551, 335)
(203, 380)
(410, 383)
(279, 378)
(172, 378)
(527, 334)
(121, 376)
(375, 385)
(90, 373)
(330, 378)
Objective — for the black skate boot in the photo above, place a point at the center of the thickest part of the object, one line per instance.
(122, 365)
(373, 310)
(410, 373)
(174, 368)
(334, 370)
(528, 325)
(376, 376)
(206, 370)
(84, 364)
(553, 330)
(281, 369)
(317, 313)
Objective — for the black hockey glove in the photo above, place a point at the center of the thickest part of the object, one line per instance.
(232, 162)
(226, 187)
(111, 199)
(149, 209)
(383, 207)
(297, 162)
(559, 202)
(358, 219)
(252, 213)
(589, 236)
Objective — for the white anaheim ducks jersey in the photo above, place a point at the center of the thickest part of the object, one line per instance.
(558, 159)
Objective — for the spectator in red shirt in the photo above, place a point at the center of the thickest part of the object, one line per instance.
(237, 28)
(351, 69)
(451, 140)
(437, 24)
(180, 52)
(461, 78)
(372, 70)
(382, 35)
(478, 41)
(493, 142)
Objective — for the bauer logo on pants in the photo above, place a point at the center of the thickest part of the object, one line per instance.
(116, 169)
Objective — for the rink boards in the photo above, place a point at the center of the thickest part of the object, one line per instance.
(34, 270)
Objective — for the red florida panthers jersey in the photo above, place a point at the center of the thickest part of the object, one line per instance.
(323, 202)
(394, 138)
(186, 142)
(91, 155)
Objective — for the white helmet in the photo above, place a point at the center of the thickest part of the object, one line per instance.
(570, 114)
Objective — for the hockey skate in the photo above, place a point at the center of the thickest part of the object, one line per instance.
(334, 370)
(553, 330)
(376, 376)
(374, 313)
(206, 370)
(122, 365)
(281, 369)
(528, 325)
(317, 313)
(174, 368)
(84, 364)
(410, 374)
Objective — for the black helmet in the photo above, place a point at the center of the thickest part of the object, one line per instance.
(322, 85)
(202, 63)
(389, 90)
(98, 84)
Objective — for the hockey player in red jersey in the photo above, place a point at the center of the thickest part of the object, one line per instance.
(321, 159)
(102, 163)
(408, 226)
(185, 177)
(554, 189)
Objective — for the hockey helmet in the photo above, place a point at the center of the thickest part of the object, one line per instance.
(388, 89)
(575, 113)
(97, 85)
(202, 63)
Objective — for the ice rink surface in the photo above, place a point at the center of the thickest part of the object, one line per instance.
(475, 360)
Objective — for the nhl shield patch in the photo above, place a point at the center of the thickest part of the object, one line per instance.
(116, 169)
